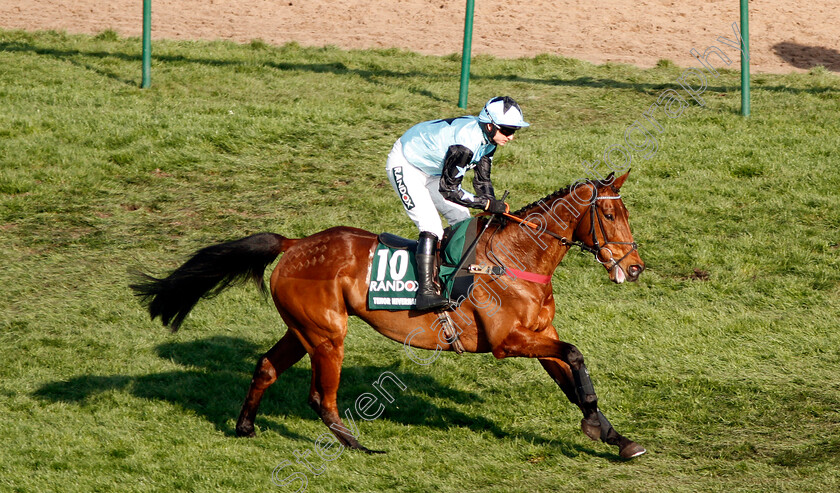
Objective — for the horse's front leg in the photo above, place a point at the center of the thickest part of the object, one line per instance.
(564, 362)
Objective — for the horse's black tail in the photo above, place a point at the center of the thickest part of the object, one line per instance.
(209, 272)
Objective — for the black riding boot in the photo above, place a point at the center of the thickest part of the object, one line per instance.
(427, 296)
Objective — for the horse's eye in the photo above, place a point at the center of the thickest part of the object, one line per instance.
(609, 217)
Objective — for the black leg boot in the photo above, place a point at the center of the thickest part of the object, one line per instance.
(427, 296)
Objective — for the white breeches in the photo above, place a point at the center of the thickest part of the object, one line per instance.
(420, 196)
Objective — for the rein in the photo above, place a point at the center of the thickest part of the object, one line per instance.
(596, 247)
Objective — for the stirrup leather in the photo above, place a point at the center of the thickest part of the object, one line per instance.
(449, 333)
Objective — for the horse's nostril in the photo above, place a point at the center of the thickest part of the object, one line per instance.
(635, 270)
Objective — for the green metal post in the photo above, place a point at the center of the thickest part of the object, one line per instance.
(147, 44)
(465, 57)
(745, 59)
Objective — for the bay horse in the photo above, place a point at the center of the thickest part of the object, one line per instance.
(322, 279)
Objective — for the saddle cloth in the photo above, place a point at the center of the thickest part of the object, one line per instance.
(393, 273)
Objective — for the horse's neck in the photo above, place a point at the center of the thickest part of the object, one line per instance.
(534, 248)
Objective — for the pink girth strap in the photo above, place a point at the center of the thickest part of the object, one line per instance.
(528, 276)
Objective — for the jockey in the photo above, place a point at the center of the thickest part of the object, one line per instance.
(426, 167)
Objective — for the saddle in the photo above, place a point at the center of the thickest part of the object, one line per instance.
(398, 242)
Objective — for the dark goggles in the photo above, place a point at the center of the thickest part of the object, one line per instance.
(506, 131)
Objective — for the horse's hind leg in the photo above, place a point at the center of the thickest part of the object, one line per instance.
(323, 397)
(278, 359)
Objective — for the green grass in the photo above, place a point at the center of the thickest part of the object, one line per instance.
(722, 360)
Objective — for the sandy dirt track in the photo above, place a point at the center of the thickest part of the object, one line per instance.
(785, 35)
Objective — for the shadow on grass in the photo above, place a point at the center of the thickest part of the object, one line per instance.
(217, 372)
(337, 68)
(378, 76)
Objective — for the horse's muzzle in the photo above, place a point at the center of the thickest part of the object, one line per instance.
(634, 271)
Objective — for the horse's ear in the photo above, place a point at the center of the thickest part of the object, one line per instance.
(620, 180)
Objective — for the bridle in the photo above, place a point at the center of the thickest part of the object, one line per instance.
(596, 248)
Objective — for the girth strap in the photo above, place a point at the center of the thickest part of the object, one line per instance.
(495, 270)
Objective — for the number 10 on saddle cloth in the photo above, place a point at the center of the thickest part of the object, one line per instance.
(393, 273)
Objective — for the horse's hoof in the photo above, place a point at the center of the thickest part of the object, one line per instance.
(592, 431)
(630, 450)
(245, 432)
(362, 448)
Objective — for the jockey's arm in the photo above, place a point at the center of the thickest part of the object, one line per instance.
(481, 179)
(455, 165)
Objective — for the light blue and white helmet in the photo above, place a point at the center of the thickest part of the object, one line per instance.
(504, 112)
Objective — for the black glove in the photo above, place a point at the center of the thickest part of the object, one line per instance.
(497, 206)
